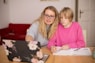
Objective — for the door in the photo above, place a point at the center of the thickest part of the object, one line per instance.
(86, 18)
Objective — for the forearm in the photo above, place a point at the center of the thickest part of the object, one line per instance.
(50, 44)
(78, 44)
(81, 44)
(28, 38)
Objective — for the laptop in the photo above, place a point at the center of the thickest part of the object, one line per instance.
(23, 51)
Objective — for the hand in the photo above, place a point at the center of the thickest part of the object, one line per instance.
(39, 54)
(34, 60)
(53, 48)
(65, 47)
(16, 59)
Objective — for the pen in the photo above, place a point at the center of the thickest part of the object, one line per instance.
(76, 49)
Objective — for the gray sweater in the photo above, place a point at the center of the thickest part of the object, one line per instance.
(33, 31)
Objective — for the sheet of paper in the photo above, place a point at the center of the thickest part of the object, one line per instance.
(74, 52)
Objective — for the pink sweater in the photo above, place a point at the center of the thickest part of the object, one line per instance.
(71, 36)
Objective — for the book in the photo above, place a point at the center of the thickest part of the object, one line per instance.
(74, 52)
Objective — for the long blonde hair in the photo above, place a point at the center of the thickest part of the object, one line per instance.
(53, 26)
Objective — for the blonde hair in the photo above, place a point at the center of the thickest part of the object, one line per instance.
(67, 12)
(53, 26)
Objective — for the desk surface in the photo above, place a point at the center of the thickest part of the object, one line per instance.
(52, 58)
(69, 59)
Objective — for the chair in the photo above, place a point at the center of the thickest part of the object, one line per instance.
(85, 35)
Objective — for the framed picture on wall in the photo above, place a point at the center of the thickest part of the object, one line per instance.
(49, 0)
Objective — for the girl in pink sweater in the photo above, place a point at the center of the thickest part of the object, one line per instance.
(68, 34)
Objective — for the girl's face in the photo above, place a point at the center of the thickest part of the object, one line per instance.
(64, 21)
(49, 17)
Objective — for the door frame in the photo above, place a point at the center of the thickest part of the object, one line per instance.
(76, 10)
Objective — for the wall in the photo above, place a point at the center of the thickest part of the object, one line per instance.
(4, 14)
(25, 11)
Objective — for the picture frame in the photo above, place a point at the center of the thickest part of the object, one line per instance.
(49, 0)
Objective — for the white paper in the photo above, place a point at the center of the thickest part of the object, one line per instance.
(74, 52)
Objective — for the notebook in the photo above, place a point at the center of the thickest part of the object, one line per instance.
(74, 52)
(22, 51)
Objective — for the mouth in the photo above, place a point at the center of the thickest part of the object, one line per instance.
(48, 21)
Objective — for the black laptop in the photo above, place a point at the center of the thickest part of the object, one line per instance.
(22, 51)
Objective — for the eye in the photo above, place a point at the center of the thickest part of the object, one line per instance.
(49, 16)
(52, 16)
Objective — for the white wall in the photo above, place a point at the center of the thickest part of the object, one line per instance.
(25, 11)
(4, 14)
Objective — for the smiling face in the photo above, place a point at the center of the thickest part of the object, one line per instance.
(49, 17)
